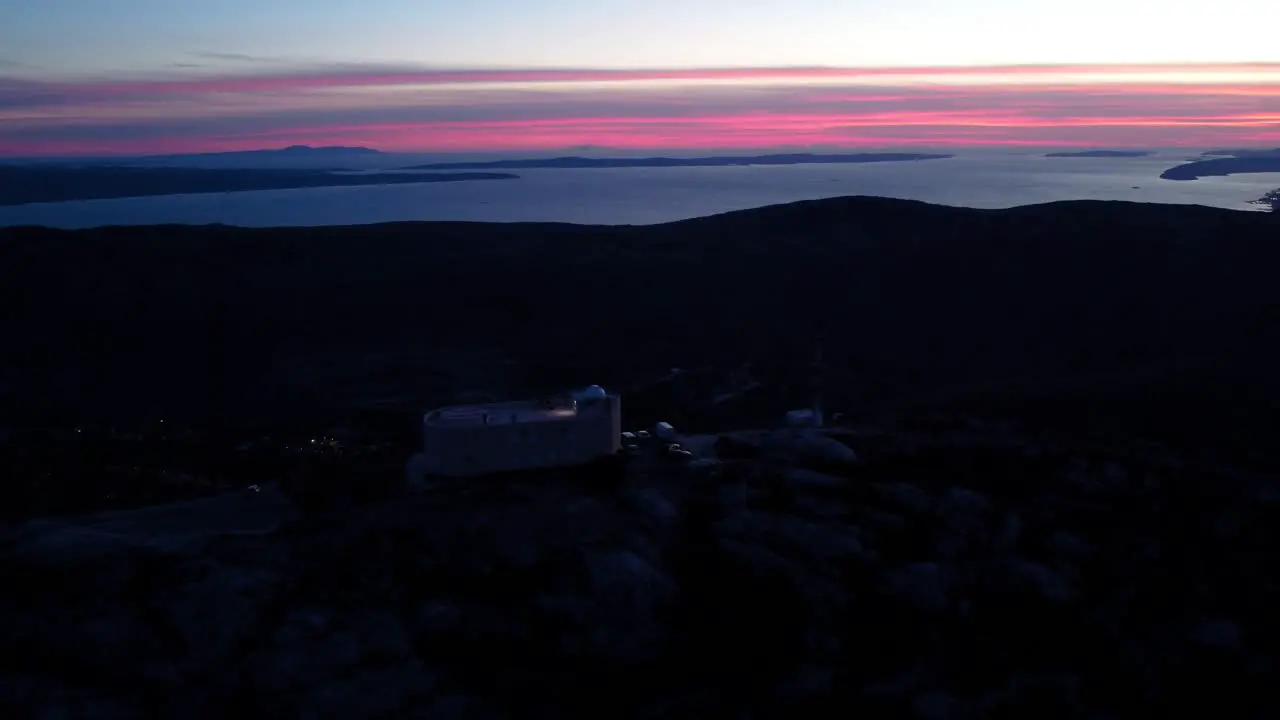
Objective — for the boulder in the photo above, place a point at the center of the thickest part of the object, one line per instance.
(923, 586)
(802, 446)
(801, 480)
(1217, 633)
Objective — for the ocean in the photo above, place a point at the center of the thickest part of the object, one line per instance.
(641, 196)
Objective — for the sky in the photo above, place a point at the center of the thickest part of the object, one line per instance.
(92, 77)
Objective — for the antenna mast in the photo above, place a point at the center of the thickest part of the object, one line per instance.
(817, 376)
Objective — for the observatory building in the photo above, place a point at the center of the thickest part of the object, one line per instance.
(571, 429)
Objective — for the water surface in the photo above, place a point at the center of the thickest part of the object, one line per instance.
(655, 195)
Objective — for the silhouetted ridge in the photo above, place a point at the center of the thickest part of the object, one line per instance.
(921, 297)
(331, 148)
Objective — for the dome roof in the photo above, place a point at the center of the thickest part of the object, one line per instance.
(591, 392)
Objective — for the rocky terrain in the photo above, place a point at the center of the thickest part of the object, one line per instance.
(959, 571)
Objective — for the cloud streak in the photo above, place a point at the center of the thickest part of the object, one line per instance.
(413, 109)
(237, 57)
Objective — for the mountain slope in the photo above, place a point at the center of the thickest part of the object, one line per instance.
(914, 300)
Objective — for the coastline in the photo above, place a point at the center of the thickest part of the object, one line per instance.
(22, 185)
(1221, 167)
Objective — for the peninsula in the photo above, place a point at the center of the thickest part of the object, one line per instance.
(20, 185)
(1271, 200)
(565, 163)
(1223, 166)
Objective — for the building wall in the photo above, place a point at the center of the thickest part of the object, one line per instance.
(478, 449)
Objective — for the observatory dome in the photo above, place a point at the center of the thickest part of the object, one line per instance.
(591, 392)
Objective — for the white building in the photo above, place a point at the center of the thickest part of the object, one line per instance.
(573, 429)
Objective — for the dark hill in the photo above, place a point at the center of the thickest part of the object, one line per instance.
(916, 301)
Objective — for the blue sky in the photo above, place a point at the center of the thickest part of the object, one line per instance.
(96, 36)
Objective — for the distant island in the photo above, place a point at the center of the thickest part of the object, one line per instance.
(22, 185)
(294, 156)
(585, 162)
(1219, 167)
(293, 151)
(1100, 154)
(1244, 152)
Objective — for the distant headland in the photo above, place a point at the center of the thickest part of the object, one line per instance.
(334, 151)
(1222, 166)
(335, 157)
(1244, 152)
(565, 163)
(1100, 154)
(21, 185)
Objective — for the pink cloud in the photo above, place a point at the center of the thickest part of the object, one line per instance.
(417, 110)
(730, 132)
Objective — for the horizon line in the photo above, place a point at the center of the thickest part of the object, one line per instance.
(676, 152)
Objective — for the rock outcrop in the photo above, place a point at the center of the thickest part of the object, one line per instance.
(927, 580)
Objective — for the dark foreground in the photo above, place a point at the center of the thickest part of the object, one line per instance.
(971, 571)
(1065, 504)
